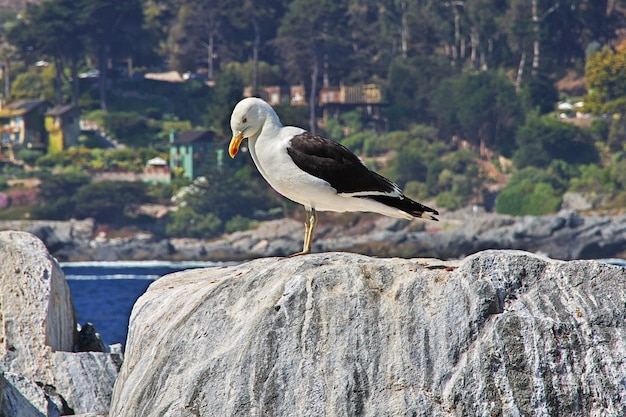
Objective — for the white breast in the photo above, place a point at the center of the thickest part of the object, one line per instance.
(276, 166)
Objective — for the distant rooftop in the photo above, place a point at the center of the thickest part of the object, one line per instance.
(20, 107)
(191, 136)
(60, 110)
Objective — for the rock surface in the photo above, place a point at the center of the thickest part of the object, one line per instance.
(37, 311)
(23, 398)
(38, 335)
(499, 333)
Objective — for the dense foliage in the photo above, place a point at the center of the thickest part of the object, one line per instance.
(73, 195)
(464, 83)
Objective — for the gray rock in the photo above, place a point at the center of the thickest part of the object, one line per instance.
(575, 201)
(36, 312)
(20, 397)
(47, 236)
(38, 335)
(566, 235)
(89, 340)
(499, 333)
(85, 379)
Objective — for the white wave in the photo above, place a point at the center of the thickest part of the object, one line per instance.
(145, 264)
(111, 277)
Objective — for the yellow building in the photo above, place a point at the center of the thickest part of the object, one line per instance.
(22, 127)
(63, 126)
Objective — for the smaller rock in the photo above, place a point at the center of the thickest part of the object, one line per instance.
(20, 397)
(576, 202)
(47, 236)
(89, 340)
(86, 379)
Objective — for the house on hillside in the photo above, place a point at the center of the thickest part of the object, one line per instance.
(293, 95)
(367, 98)
(156, 171)
(195, 150)
(22, 127)
(355, 95)
(63, 126)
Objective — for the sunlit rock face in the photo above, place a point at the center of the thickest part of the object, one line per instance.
(40, 372)
(498, 333)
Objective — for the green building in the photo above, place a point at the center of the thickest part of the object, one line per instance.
(193, 151)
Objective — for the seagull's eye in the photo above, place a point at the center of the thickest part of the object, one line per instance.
(245, 120)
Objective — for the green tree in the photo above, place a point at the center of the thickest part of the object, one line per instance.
(482, 108)
(113, 30)
(528, 198)
(539, 94)
(33, 84)
(544, 139)
(55, 199)
(312, 41)
(225, 95)
(185, 222)
(54, 30)
(258, 18)
(411, 84)
(216, 199)
(199, 35)
(129, 128)
(108, 201)
(530, 191)
(605, 73)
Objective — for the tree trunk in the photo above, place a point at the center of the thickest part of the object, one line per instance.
(58, 82)
(103, 58)
(520, 72)
(404, 31)
(7, 79)
(536, 34)
(75, 83)
(255, 58)
(456, 52)
(210, 47)
(312, 98)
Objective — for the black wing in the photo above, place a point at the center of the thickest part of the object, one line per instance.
(326, 159)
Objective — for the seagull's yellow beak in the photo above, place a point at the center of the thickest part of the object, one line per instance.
(233, 148)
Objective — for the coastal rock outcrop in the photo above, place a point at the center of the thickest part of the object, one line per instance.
(40, 375)
(498, 333)
(566, 235)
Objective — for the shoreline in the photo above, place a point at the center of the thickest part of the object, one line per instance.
(567, 235)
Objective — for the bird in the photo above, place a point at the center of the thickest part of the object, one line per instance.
(315, 171)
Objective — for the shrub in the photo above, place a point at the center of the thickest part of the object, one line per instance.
(29, 156)
(107, 201)
(528, 197)
(55, 200)
(449, 200)
(185, 222)
(238, 223)
(544, 139)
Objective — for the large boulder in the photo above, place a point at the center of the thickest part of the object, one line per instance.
(499, 333)
(41, 373)
(37, 311)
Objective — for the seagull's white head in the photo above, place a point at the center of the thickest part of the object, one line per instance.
(247, 120)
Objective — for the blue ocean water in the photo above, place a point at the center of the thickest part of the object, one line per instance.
(104, 292)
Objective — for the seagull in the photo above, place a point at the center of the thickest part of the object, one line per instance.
(315, 171)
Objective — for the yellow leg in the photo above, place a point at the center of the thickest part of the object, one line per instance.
(309, 227)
